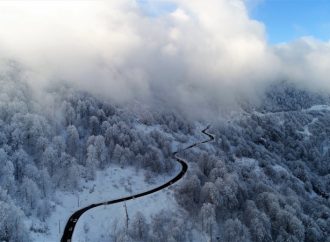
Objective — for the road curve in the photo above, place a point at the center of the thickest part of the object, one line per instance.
(70, 225)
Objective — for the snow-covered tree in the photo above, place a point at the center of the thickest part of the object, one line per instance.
(139, 228)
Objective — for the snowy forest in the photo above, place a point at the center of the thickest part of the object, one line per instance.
(266, 177)
(47, 149)
(165, 121)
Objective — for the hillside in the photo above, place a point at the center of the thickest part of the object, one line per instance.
(264, 178)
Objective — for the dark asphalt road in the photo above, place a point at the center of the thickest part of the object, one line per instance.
(69, 228)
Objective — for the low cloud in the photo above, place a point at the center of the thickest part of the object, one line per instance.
(307, 62)
(200, 54)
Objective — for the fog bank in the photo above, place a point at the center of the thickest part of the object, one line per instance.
(199, 54)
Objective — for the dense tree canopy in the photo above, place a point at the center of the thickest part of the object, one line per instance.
(264, 178)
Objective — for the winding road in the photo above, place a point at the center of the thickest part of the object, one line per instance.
(70, 225)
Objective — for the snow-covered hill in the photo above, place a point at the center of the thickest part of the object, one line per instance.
(265, 178)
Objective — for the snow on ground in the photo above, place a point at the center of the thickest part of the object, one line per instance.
(306, 131)
(319, 108)
(111, 183)
(312, 108)
(98, 222)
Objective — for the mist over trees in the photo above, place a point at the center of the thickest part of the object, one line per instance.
(264, 178)
(43, 150)
(162, 65)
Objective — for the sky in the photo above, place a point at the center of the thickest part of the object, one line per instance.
(156, 8)
(287, 20)
(191, 54)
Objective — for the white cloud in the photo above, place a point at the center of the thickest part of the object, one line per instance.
(306, 61)
(180, 15)
(202, 53)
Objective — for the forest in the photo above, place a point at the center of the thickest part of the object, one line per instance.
(266, 177)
